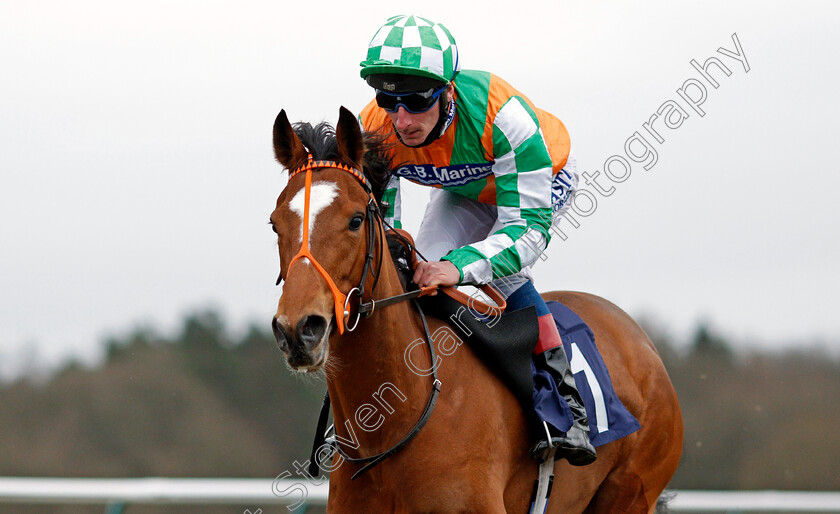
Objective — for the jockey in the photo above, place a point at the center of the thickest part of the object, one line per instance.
(501, 169)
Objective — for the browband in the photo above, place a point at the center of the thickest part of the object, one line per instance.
(311, 164)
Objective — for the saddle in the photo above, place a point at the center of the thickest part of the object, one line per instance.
(504, 341)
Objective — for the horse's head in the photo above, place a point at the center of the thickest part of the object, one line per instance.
(323, 220)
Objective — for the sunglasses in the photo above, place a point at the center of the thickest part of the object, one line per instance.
(414, 103)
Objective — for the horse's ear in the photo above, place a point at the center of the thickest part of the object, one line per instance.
(288, 149)
(348, 133)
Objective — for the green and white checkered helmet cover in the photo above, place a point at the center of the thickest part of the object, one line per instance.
(411, 45)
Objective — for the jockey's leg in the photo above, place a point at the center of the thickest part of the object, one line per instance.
(452, 221)
(549, 356)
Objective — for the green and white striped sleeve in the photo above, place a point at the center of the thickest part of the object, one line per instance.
(523, 175)
(391, 196)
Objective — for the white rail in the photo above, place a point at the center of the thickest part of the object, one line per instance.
(259, 492)
(160, 490)
(751, 501)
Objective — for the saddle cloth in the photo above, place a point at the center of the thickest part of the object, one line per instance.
(507, 346)
(609, 419)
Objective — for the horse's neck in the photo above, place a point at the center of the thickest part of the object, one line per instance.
(368, 378)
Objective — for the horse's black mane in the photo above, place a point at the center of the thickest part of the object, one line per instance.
(321, 142)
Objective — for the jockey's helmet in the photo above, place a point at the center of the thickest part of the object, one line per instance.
(410, 53)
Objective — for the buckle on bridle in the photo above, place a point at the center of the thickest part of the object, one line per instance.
(347, 327)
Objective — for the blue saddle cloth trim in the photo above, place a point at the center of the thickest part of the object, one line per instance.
(609, 419)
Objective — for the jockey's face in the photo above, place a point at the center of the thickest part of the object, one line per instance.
(414, 128)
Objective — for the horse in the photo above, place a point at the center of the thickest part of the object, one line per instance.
(472, 453)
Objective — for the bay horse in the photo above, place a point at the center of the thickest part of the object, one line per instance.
(472, 453)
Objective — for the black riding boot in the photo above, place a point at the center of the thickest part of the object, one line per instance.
(574, 445)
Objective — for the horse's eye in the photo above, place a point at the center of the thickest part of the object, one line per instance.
(356, 222)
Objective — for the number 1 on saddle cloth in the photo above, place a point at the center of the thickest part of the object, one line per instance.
(557, 402)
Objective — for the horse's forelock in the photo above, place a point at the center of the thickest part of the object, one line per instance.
(318, 139)
(321, 143)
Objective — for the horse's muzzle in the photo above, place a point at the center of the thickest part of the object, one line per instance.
(306, 346)
(281, 335)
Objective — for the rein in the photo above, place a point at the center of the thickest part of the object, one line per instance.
(373, 460)
(341, 300)
(342, 312)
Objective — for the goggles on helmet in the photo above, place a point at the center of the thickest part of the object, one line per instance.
(415, 103)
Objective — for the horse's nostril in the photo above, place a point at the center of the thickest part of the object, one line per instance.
(311, 329)
(279, 335)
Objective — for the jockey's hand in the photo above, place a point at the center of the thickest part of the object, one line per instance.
(440, 273)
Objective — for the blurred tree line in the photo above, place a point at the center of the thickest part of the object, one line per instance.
(206, 404)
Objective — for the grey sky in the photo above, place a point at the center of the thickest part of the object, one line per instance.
(137, 172)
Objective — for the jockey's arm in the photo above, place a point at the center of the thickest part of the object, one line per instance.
(391, 197)
(523, 173)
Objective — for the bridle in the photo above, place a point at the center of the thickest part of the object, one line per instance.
(375, 223)
(341, 301)
(342, 312)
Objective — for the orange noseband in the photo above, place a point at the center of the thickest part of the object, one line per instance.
(340, 299)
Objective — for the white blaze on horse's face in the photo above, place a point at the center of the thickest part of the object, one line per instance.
(320, 197)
